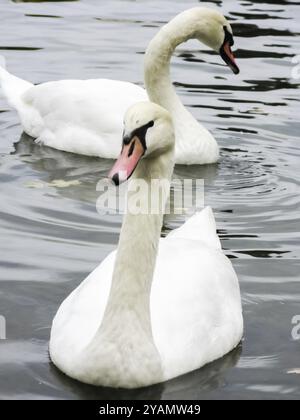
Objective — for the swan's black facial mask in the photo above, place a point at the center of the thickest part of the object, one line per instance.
(226, 53)
(133, 149)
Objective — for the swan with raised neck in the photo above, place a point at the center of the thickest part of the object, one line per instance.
(156, 308)
(86, 116)
(126, 330)
(194, 143)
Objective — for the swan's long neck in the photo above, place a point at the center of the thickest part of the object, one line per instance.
(157, 63)
(193, 23)
(188, 25)
(139, 238)
(126, 325)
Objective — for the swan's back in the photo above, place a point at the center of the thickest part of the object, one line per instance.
(200, 227)
(195, 300)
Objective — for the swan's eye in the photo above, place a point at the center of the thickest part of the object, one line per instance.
(139, 132)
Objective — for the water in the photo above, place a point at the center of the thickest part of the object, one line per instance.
(52, 236)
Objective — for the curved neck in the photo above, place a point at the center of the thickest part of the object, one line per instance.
(158, 83)
(157, 67)
(190, 135)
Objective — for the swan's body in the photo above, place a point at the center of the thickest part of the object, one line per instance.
(195, 309)
(157, 308)
(86, 117)
(79, 116)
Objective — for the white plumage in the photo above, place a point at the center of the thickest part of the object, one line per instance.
(103, 334)
(85, 116)
(195, 304)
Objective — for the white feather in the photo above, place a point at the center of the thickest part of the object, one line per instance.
(195, 305)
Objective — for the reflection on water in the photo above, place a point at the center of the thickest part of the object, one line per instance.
(193, 384)
(52, 235)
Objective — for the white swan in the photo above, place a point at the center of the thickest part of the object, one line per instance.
(156, 308)
(86, 116)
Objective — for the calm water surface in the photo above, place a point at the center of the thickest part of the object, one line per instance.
(52, 236)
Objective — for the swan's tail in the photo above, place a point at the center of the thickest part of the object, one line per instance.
(12, 86)
(201, 226)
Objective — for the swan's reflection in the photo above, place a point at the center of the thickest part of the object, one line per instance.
(193, 385)
(78, 174)
(58, 163)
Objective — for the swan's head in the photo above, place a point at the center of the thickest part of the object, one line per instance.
(213, 29)
(148, 131)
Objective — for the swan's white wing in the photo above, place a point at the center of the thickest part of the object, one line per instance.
(79, 116)
(195, 306)
(80, 314)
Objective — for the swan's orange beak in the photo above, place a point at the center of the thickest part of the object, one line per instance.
(130, 156)
(228, 57)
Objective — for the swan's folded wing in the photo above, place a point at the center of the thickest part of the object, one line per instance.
(201, 226)
(79, 116)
